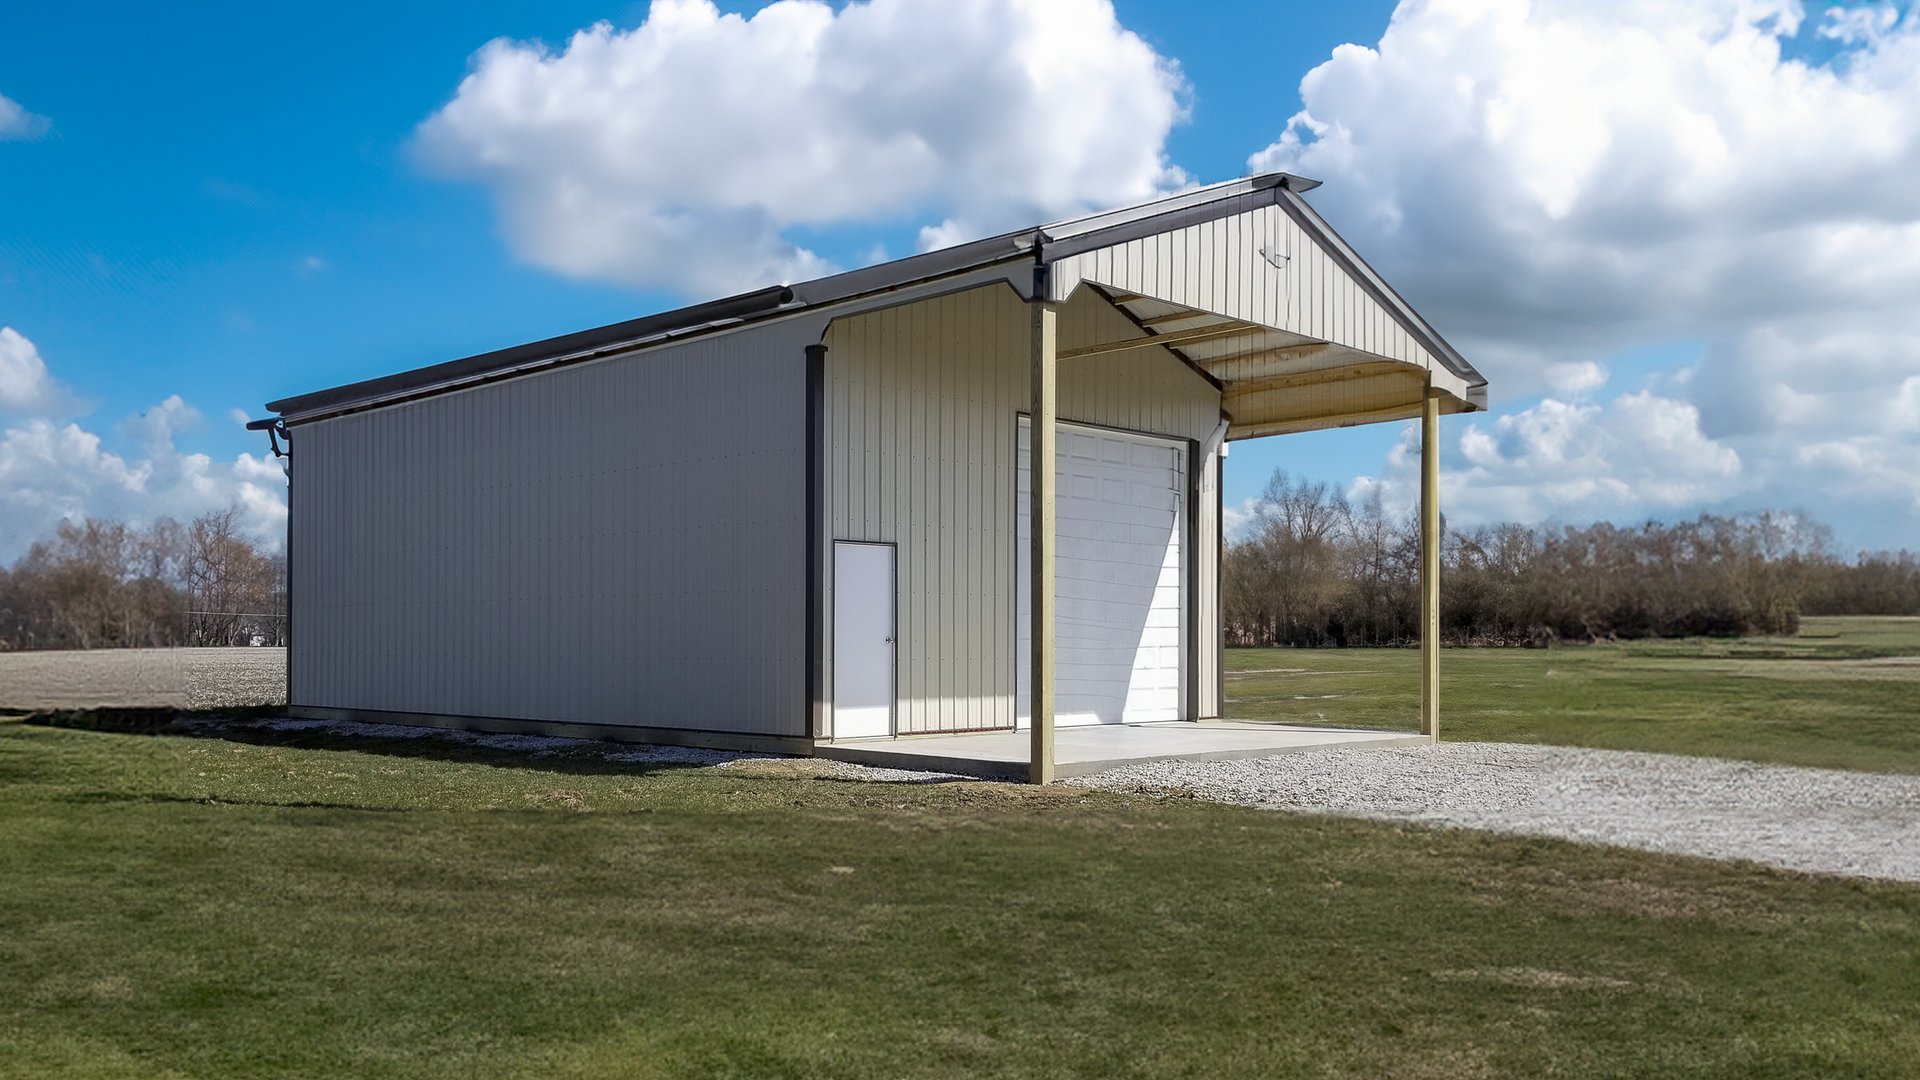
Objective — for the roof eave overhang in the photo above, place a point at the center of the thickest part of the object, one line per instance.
(1046, 243)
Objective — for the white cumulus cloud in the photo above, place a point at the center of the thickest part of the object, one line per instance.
(26, 386)
(1571, 461)
(17, 123)
(1555, 182)
(53, 470)
(1574, 177)
(694, 151)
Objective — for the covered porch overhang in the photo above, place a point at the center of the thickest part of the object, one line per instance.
(1261, 297)
(1260, 293)
(1279, 382)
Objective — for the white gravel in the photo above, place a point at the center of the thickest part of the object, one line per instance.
(1818, 820)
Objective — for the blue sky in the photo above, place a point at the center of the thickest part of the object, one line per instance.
(230, 203)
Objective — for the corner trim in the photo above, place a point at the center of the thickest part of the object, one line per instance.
(816, 540)
(287, 620)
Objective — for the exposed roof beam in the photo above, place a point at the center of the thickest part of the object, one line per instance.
(1293, 424)
(1183, 337)
(1321, 377)
(1279, 360)
(1176, 316)
(1128, 314)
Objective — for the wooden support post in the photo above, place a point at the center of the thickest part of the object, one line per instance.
(1043, 316)
(1430, 565)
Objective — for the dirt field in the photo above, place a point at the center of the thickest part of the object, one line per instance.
(182, 678)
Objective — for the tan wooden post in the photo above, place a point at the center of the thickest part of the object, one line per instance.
(1430, 565)
(1043, 317)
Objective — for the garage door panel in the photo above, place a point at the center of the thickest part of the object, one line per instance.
(1119, 626)
(1092, 584)
(1163, 620)
(1091, 631)
(1095, 680)
(1149, 454)
(1127, 551)
(1133, 524)
(1103, 590)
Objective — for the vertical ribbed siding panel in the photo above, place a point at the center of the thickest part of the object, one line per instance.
(613, 543)
(921, 427)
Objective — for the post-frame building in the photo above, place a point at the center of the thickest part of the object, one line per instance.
(849, 512)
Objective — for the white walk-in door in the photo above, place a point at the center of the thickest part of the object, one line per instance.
(862, 640)
(1119, 622)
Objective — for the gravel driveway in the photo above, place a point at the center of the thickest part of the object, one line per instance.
(1819, 820)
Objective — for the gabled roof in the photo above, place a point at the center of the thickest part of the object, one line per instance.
(1047, 243)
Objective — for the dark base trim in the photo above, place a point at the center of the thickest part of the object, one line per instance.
(498, 725)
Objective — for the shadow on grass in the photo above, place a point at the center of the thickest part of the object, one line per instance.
(268, 726)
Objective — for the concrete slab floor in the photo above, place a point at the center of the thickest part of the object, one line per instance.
(1080, 751)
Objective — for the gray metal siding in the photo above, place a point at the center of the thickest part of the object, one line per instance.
(922, 406)
(621, 542)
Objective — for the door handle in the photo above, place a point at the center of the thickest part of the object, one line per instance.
(888, 641)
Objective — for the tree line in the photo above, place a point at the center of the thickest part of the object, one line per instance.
(1316, 569)
(101, 584)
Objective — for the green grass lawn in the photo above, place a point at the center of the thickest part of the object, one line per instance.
(1844, 694)
(178, 906)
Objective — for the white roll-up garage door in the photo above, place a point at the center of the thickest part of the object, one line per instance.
(1119, 629)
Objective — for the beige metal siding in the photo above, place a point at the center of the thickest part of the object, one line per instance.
(922, 406)
(619, 542)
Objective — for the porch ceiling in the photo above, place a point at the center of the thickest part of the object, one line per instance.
(1272, 381)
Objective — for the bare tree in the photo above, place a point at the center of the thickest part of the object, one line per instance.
(1318, 570)
(236, 594)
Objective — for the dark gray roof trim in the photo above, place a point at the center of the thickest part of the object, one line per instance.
(473, 368)
(1057, 240)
